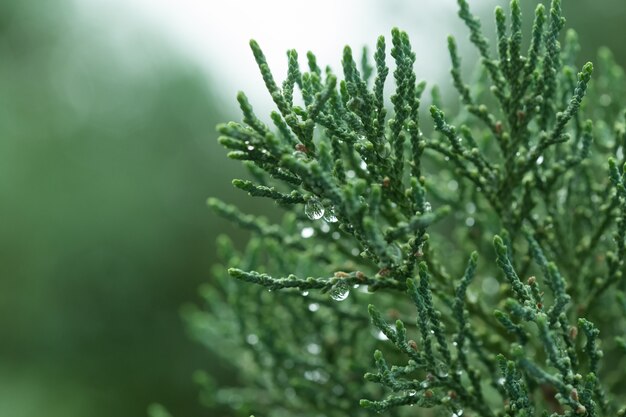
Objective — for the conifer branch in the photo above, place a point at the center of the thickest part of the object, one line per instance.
(375, 203)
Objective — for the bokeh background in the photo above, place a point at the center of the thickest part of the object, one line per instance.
(107, 156)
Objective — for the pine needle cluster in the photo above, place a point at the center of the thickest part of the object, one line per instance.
(469, 263)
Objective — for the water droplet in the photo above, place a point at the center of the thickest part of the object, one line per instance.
(250, 147)
(252, 339)
(363, 165)
(385, 151)
(340, 291)
(305, 293)
(442, 371)
(469, 222)
(457, 413)
(411, 392)
(355, 286)
(350, 174)
(314, 209)
(501, 381)
(313, 348)
(335, 235)
(325, 228)
(424, 384)
(314, 307)
(330, 216)
(381, 336)
(540, 160)
(427, 207)
(307, 232)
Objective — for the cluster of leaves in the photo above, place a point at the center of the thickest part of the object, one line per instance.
(361, 190)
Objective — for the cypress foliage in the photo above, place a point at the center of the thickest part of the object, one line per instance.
(469, 263)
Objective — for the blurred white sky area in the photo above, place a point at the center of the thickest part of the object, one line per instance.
(215, 34)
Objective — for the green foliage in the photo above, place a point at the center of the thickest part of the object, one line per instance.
(381, 212)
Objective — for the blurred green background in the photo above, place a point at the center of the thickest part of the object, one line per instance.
(106, 160)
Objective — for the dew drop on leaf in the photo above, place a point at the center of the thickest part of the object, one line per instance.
(314, 209)
(442, 371)
(340, 291)
(329, 215)
(385, 151)
(381, 336)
